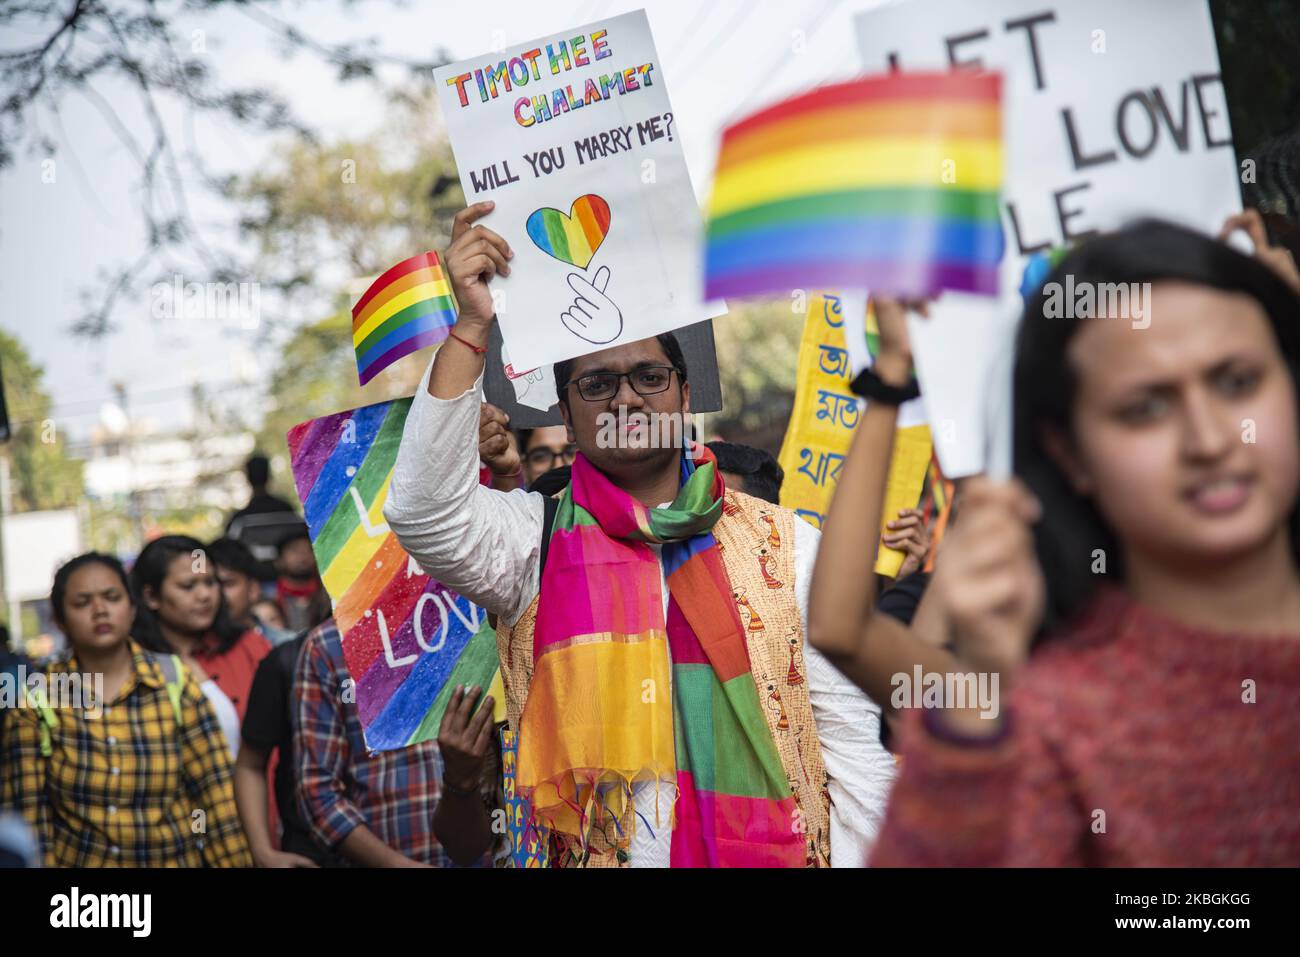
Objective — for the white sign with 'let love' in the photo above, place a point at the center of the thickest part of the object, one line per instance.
(573, 137)
(1113, 110)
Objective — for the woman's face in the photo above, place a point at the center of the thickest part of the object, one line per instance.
(188, 599)
(1185, 432)
(97, 609)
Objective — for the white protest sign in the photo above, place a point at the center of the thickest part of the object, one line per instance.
(1112, 110)
(572, 136)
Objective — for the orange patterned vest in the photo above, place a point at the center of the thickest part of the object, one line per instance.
(757, 543)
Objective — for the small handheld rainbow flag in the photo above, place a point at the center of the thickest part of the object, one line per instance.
(887, 183)
(407, 308)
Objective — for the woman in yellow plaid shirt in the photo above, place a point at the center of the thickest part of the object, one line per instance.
(137, 774)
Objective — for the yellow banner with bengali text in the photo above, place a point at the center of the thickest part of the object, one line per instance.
(821, 430)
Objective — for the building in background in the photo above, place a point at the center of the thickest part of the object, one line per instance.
(142, 481)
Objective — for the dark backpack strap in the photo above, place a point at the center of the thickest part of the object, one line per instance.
(166, 664)
(549, 507)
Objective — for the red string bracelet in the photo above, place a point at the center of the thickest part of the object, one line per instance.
(478, 349)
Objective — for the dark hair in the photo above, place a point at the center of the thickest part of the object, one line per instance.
(667, 341)
(233, 556)
(258, 470)
(293, 534)
(149, 570)
(1044, 386)
(763, 475)
(59, 592)
(548, 483)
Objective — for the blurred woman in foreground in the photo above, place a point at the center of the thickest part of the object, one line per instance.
(1147, 553)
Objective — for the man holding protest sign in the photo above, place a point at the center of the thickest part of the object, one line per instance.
(650, 623)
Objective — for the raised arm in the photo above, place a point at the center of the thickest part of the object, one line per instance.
(475, 255)
(481, 542)
(842, 624)
(844, 582)
(987, 787)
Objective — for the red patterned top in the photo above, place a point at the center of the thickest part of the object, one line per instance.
(1134, 741)
(232, 671)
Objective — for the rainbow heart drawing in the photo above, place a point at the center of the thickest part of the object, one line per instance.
(572, 238)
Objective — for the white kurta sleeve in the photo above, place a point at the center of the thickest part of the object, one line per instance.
(480, 542)
(861, 771)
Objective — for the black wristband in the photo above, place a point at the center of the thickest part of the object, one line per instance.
(870, 386)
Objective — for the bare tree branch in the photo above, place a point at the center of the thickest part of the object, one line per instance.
(86, 44)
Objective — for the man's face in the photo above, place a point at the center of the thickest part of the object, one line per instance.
(296, 560)
(627, 433)
(548, 448)
(239, 591)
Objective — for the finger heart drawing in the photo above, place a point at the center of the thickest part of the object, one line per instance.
(593, 316)
(573, 238)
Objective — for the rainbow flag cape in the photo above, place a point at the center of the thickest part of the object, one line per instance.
(407, 308)
(408, 640)
(886, 183)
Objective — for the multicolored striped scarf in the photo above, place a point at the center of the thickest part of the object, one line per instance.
(598, 719)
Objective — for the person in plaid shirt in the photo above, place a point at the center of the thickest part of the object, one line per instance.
(378, 809)
(142, 784)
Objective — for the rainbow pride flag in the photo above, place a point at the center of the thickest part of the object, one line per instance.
(407, 308)
(408, 640)
(886, 183)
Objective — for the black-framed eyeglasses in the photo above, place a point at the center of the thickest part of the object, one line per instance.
(645, 380)
(542, 457)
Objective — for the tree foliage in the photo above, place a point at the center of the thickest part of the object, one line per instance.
(758, 355)
(40, 472)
